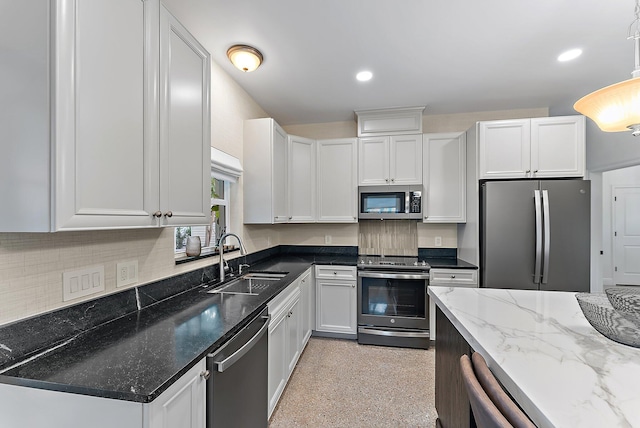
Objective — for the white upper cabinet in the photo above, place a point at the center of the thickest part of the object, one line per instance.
(391, 160)
(444, 178)
(302, 179)
(185, 140)
(558, 146)
(84, 140)
(338, 180)
(265, 172)
(532, 148)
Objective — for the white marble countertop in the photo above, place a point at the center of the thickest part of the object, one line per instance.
(539, 345)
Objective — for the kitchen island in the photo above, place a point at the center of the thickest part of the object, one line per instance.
(541, 348)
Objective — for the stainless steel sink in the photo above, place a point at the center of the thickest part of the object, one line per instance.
(251, 284)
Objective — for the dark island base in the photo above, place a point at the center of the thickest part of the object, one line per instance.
(452, 403)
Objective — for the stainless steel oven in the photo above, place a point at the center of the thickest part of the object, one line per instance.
(393, 305)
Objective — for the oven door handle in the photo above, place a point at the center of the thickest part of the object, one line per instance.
(392, 275)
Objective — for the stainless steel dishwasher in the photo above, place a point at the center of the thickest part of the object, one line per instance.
(237, 391)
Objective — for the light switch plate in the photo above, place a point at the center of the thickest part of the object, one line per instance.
(126, 273)
(82, 282)
(438, 241)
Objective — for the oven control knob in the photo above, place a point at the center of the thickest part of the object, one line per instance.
(424, 263)
(415, 263)
(393, 321)
(361, 261)
(370, 262)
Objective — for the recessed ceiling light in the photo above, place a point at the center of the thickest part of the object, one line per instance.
(363, 76)
(569, 55)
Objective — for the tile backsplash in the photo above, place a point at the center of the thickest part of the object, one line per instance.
(388, 237)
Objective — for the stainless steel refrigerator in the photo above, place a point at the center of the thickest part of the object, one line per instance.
(535, 234)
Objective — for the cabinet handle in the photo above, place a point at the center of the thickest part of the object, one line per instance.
(535, 172)
(290, 218)
(386, 179)
(453, 276)
(335, 273)
(205, 374)
(528, 171)
(353, 286)
(168, 214)
(393, 180)
(157, 214)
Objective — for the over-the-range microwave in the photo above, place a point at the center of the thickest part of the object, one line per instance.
(390, 202)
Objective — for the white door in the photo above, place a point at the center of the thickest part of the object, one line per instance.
(504, 149)
(104, 115)
(277, 376)
(444, 178)
(302, 179)
(626, 236)
(373, 161)
(336, 306)
(183, 404)
(338, 180)
(558, 146)
(279, 193)
(405, 159)
(293, 336)
(185, 143)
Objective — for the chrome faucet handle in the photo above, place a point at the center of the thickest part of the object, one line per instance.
(226, 267)
(242, 265)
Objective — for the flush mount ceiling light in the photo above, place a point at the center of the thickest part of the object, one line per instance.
(363, 76)
(569, 55)
(616, 108)
(245, 58)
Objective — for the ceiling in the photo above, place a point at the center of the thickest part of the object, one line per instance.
(453, 56)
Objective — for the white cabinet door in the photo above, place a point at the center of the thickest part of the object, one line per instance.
(183, 404)
(279, 191)
(104, 130)
(302, 179)
(505, 149)
(185, 143)
(444, 178)
(294, 333)
(373, 161)
(338, 180)
(558, 146)
(405, 159)
(277, 376)
(336, 306)
(306, 308)
(265, 172)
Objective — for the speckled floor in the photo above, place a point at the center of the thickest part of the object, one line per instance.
(338, 383)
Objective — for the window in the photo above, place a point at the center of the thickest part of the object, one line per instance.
(220, 224)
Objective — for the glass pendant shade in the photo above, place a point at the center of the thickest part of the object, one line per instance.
(245, 58)
(614, 108)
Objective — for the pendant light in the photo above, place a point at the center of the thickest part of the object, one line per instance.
(616, 108)
(245, 58)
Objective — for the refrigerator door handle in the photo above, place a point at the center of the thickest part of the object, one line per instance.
(538, 260)
(547, 235)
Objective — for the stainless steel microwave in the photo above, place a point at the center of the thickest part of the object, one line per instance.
(390, 202)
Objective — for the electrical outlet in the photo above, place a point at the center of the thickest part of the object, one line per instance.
(438, 241)
(327, 239)
(126, 273)
(82, 282)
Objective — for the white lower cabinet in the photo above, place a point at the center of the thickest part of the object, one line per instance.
(289, 331)
(182, 405)
(448, 278)
(336, 300)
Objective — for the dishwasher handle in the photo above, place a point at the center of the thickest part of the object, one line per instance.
(221, 366)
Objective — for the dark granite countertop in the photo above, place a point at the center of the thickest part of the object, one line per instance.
(448, 263)
(137, 356)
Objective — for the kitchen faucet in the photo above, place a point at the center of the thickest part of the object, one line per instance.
(243, 251)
